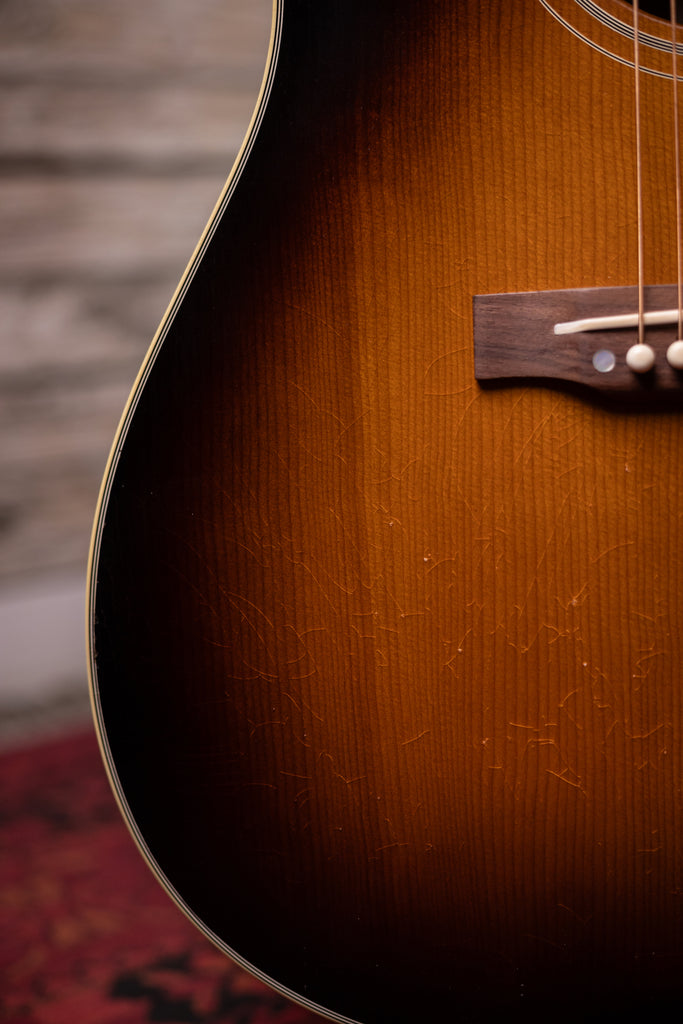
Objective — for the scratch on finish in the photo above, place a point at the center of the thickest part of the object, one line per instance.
(389, 520)
(255, 726)
(234, 598)
(448, 394)
(572, 718)
(444, 355)
(540, 426)
(643, 671)
(652, 619)
(346, 590)
(645, 735)
(246, 488)
(575, 600)
(442, 561)
(313, 402)
(338, 775)
(550, 540)
(614, 547)
(347, 534)
(563, 778)
(299, 562)
(459, 649)
(415, 738)
(258, 673)
(317, 319)
(397, 477)
(307, 451)
(238, 679)
(564, 700)
(455, 427)
(515, 405)
(546, 942)
(607, 707)
(559, 635)
(571, 470)
(262, 563)
(306, 675)
(351, 425)
(582, 920)
(296, 703)
(362, 636)
(428, 371)
(295, 661)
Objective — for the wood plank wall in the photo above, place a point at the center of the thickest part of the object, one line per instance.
(119, 122)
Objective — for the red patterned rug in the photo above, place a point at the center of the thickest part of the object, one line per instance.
(88, 936)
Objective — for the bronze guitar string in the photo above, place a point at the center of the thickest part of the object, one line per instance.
(639, 173)
(677, 164)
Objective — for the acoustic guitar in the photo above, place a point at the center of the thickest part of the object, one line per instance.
(386, 594)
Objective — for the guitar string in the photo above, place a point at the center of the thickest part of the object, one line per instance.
(677, 166)
(639, 174)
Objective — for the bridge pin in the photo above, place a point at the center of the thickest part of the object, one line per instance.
(640, 358)
(674, 355)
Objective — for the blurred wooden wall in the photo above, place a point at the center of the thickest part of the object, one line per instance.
(119, 122)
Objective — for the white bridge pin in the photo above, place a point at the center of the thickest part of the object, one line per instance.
(674, 355)
(640, 358)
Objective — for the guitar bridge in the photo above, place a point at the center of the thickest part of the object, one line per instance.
(588, 336)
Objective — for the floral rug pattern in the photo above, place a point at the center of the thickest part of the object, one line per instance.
(88, 934)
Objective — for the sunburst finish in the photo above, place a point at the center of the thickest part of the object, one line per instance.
(387, 666)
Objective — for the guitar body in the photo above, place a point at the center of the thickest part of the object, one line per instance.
(387, 666)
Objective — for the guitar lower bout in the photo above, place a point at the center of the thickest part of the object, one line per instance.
(385, 663)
